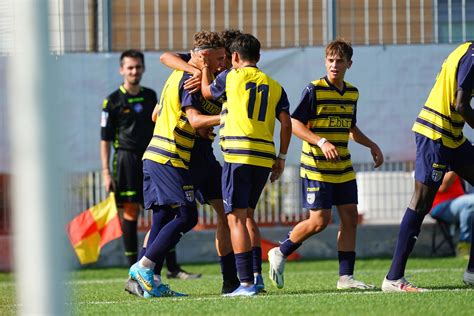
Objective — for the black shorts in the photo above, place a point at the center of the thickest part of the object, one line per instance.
(128, 176)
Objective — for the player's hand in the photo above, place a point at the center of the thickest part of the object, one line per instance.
(109, 183)
(199, 59)
(330, 152)
(376, 155)
(277, 169)
(205, 132)
(193, 84)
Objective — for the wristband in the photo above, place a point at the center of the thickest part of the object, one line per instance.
(321, 142)
(281, 156)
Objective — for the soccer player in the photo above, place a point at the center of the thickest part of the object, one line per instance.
(325, 119)
(440, 147)
(252, 102)
(126, 122)
(207, 181)
(168, 188)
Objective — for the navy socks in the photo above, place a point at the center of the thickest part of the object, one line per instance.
(228, 267)
(346, 262)
(243, 262)
(257, 260)
(171, 233)
(470, 264)
(288, 247)
(409, 231)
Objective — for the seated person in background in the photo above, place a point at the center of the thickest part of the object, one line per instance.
(454, 207)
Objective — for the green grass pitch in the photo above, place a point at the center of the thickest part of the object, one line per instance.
(310, 289)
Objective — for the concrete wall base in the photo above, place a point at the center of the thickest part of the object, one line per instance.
(198, 246)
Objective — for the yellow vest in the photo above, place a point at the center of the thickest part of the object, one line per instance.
(438, 118)
(248, 117)
(173, 136)
(332, 120)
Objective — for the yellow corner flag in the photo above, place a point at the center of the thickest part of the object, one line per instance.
(93, 228)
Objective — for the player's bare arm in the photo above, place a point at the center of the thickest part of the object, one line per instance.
(463, 107)
(285, 137)
(356, 134)
(199, 121)
(200, 61)
(303, 132)
(174, 61)
(109, 183)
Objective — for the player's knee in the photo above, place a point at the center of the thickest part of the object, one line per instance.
(318, 225)
(188, 215)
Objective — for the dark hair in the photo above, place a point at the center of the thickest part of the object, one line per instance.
(247, 46)
(340, 47)
(228, 36)
(132, 53)
(207, 40)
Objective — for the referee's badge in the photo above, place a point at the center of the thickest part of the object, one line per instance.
(138, 107)
(436, 175)
(189, 194)
(310, 197)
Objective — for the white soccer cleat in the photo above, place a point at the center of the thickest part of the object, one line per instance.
(468, 278)
(400, 285)
(347, 282)
(277, 266)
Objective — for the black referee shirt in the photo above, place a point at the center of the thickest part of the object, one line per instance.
(126, 119)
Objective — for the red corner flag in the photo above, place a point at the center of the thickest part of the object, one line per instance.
(93, 228)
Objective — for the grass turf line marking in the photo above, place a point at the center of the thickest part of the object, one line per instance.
(216, 276)
(286, 295)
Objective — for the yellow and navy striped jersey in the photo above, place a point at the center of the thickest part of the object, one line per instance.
(173, 137)
(438, 117)
(253, 101)
(328, 112)
(205, 107)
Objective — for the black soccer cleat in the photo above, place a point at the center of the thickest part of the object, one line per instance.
(229, 286)
(182, 275)
(132, 287)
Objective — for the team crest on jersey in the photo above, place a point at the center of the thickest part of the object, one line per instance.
(138, 107)
(436, 175)
(310, 197)
(189, 194)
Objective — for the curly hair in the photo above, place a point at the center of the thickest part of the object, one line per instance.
(228, 36)
(340, 47)
(207, 39)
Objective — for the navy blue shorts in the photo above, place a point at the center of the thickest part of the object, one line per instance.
(433, 160)
(206, 172)
(166, 185)
(323, 195)
(242, 185)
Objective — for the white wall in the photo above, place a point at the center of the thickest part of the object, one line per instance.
(393, 82)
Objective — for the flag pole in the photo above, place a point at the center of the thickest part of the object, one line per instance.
(34, 129)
